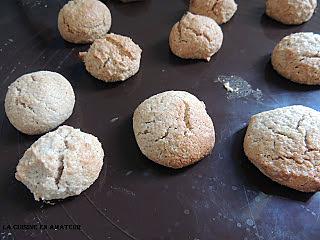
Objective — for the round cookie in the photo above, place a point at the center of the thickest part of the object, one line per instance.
(195, 37)
(173, 129)
(61, 164)
(83, 21)
(39, 102)
(113, 58)
(285, 145)
(291, 12)
(219, 10)
(297, 57)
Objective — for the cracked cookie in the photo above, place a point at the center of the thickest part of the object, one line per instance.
(83, 21)
(38, 102)
(297, 57)
(219, 10)
(173, 129)
(61, 164)
(291, 12)
(195, 37)
(113, 58)
(284, 144)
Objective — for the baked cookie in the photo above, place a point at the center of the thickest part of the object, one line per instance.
(61, 164)
(219, 10)
(291, 12)
(297, 57)
(173, 129)
(83, 21)
(39, 102)
(285, 145)
(113, 58)
(195, 37)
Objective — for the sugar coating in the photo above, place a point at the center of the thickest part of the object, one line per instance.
(173, 129)
(61, 164)
(195, 37)
(291, 12)
(83, 21)
(38, 102)
(297, 57)
(219, 10)
(284, 144)
(113, 58)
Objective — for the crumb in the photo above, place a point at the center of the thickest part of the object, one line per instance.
(114, 119)
(227, 87)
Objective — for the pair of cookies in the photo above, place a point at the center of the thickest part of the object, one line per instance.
(197, 35)
(111, 57)
(61, 163)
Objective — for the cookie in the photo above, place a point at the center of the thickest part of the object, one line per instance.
(83, 21)
(291, 12)
(195, 37)
(284, 144)
(297, 57)
(173, 129)
(113, 58)
(219, 10)
(61, 164)
(39, 102)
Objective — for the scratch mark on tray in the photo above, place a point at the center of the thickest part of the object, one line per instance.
(250, 210)
(50, 58)
(65, 58)
(27, 42)
(109, 219)
(102, 180)
(318, 211)
(2, 122)
(35, 60)
(74, 222)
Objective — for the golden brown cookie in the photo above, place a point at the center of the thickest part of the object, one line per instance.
(291, 12)
(83, 21)
(219, 10)
(173, 129)
(195, 37)
(284, 144)
(297, 58)
(113, 58)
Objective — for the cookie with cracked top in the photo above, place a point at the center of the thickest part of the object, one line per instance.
(291, 12)
(112, 58)
(284, 144)
(297, 58)
(61, 164)
(38, 102)
(83, 21)
(195, 37)
(219, 10)
(173, 129)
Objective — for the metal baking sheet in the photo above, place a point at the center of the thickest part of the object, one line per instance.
(222, 197)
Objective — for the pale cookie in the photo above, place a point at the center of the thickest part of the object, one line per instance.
(83, 21)
(297, 57)
(291, 12)
(39, 102)
(61, 164)
(113, 58)
(173, 129)
(219, 10)
(195, 37)
(285, 145)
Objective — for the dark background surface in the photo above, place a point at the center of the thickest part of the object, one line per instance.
(221, 197)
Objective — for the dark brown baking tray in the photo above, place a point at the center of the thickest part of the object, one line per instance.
(221, 197)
